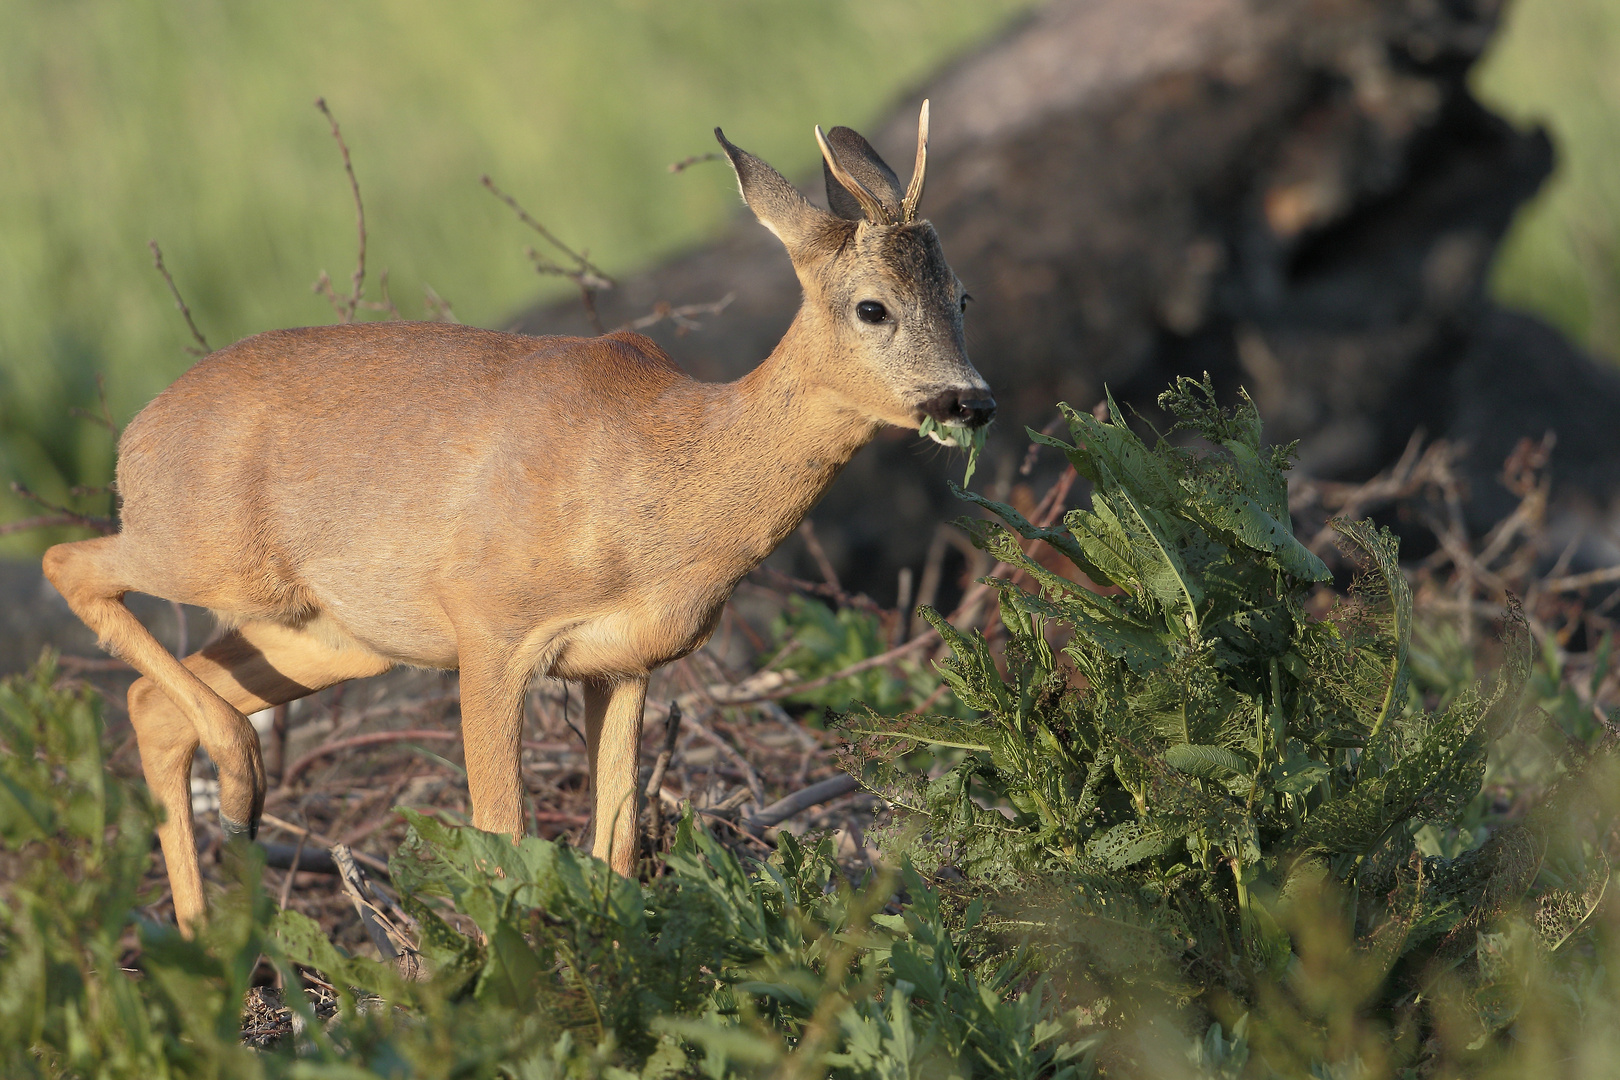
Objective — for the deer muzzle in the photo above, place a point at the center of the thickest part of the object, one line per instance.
(970, 407)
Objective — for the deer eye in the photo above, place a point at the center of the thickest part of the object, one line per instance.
(965, 298)
(870, 311)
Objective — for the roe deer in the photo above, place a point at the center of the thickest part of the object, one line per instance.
(348, 498)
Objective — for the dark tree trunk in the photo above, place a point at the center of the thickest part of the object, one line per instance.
(1299, 196)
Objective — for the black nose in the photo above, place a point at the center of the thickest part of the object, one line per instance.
(971, 407)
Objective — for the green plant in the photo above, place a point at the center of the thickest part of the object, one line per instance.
(715, 969)
(820, 641)
(1170, 763)
(75, 847)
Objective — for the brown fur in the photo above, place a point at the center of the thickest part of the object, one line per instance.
(349, 498)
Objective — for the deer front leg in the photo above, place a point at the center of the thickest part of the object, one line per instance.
(613, 741)
(491, 735)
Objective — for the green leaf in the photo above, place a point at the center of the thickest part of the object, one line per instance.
(1298, 774)
(1211, 762)
(1128, 843)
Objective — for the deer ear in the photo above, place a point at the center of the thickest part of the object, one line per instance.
(846, 151)
(775, 202)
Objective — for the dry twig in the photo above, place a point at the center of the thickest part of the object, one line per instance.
(203, 348)
(684, 317)
(345, 308)
(585, 275)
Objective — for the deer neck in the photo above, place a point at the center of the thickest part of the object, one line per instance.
(780, 435)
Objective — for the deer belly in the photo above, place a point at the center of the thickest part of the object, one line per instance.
(393, 614)
(631, 642)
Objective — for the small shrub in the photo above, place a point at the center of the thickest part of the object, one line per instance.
(1177, 763)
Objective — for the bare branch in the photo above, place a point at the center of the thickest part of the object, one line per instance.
(59, 515)
(812, 544)
(386, 303)
(588, 273)
(683, 317)
(782, 581)
(1576, 582)
(587, 276)
(44, 521)
(103, 420)
(346, 309)
(196, 334)
(438, 308)
(696, 159)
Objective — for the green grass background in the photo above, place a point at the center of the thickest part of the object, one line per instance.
(191, 122)
(1557, 63)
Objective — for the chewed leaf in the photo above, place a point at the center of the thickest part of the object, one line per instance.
(1128, 843)
(1255, 526)
(1298, 774)
(959, 436)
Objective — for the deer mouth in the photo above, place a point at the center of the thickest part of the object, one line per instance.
(955, 436)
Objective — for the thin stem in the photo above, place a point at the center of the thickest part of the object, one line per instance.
(347, 308)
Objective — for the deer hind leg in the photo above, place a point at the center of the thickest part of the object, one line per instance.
(254, 667)
(176, 705)
(613, 711)
(88, 575)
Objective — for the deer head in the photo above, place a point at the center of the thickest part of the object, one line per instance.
(882, 302)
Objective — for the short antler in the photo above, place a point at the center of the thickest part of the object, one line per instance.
(871, 205)
(914, 190)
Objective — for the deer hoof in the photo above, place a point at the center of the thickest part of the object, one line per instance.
(234, 831)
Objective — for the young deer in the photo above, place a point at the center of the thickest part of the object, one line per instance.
(348, 498)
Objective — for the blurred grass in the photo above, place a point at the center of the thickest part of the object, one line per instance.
(1557, 63)
(191, 122)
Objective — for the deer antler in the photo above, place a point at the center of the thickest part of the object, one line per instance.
(914, 190)
(871, 205)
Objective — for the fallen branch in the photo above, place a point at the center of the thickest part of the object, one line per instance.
(655, 783)
(371, 861)
(296, 857)
(782, 809)
(378, 738)
(390, 943)
(373, 738)
(756, 786)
